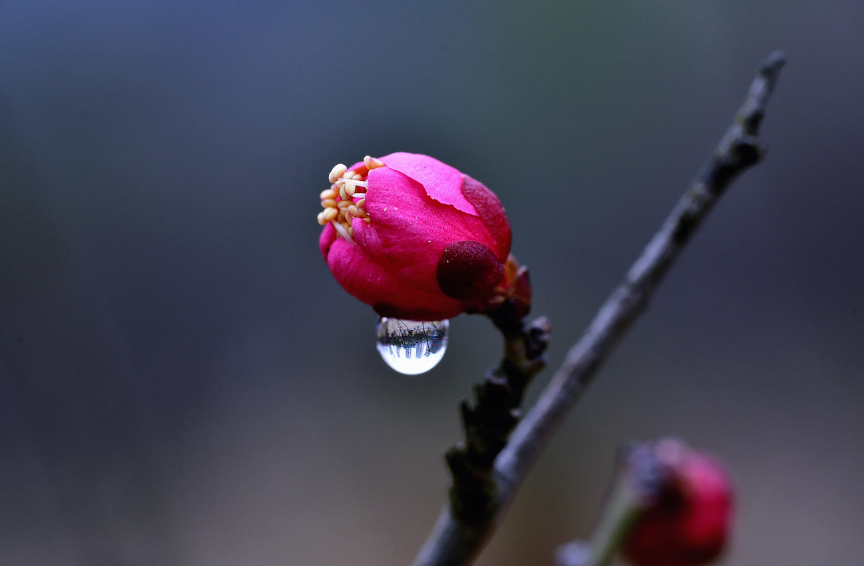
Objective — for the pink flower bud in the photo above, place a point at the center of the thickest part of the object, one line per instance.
(687, 521)
(414, 238)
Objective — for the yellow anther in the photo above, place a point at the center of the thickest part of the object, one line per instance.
(337, 172)
(372, 162)
(338, 201)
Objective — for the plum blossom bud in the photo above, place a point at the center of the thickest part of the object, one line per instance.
(416, 239)
(687, 511)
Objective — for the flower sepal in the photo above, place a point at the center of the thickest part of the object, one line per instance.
(514, 290)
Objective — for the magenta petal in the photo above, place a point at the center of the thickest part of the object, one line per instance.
(491, 213)
(442, 182)
(328, 234)
(413, 229)
(369, 240)
(382, 289)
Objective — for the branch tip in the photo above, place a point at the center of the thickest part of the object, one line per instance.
(772, 66)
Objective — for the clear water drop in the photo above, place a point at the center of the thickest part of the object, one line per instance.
(409, 346)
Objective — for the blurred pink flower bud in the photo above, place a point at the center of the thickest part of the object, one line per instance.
(415, 238)
(686, 521)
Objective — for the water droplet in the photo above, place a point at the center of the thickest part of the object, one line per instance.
(409, 346)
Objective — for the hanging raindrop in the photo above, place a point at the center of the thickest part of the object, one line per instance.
(409, 346)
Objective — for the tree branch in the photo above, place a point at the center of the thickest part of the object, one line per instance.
(455, 541)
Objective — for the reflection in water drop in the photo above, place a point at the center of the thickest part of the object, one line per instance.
(409, 346)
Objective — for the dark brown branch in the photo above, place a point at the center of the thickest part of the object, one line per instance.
(490, 419)
(456, 541)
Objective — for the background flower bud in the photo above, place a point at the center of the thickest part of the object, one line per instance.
(687, 517)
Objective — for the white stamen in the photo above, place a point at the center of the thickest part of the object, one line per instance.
(358, 183)
(342, 231)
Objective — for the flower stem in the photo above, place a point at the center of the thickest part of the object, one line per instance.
(622, 509)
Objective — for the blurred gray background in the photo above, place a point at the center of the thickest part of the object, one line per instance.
(182, 382)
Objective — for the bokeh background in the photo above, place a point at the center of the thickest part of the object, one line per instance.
(182, 382)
